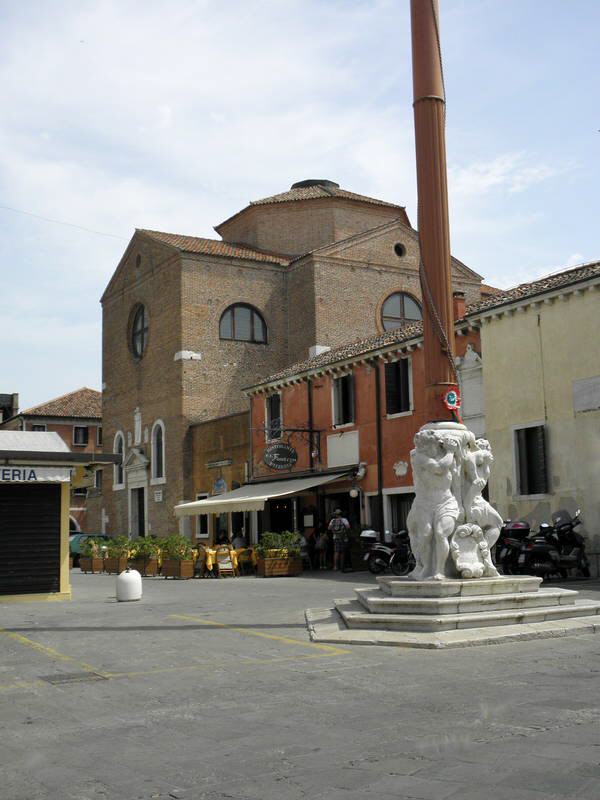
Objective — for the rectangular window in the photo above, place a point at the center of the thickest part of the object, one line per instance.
(532, 466)
(98, 480)
(80, 435)
(343, 400)
(274, 425)
(80, 491)
(39, 428)
(399, 507)
(202, 520)
(99, 435)
(397, 387)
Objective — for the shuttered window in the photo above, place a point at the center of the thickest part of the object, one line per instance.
(397, 387)
(29, 538)
(343, 400)
(532, 466)
(274, 430)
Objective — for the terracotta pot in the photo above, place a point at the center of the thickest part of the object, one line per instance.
(91, 564)
(172, 568)
(145, 566)
(115, 565)
(279, 567)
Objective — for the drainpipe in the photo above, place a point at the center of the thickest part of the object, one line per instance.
(309, 392)
(380, 513)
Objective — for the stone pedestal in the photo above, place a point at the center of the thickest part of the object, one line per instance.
(453, 613)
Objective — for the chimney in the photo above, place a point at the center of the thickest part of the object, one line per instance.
(458, 305)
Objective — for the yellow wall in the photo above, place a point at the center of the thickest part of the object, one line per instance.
(530, 359)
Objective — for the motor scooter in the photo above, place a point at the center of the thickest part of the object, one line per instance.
(396, 556)
(569, 543)
(539, 554)
(509, 546)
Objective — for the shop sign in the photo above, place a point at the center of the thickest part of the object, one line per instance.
(280, 456)
(34, 474)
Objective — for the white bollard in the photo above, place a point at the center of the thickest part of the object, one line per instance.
(129, 585)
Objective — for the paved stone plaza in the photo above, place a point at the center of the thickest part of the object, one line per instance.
(211, 689)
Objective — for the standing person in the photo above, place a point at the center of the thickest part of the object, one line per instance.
(321, 549)
(339, 527)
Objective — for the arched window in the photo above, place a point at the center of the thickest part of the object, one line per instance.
(139, 331)
(119, 449)
(243, 323)
(158, 452)
(398, 309)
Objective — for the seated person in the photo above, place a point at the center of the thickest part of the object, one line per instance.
(239, 540)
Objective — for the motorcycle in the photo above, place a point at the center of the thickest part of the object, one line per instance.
(539, 554)
(569, 543)
(398, 556)
(509, 546)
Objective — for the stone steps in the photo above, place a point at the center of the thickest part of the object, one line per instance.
(404, 587)
(355, 616)
(378, 602)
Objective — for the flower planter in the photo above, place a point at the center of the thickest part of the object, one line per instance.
(172, 568)
(114, 565)
(145, 566)
(91, 564)
(279, 567)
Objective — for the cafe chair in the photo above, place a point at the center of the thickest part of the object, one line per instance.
(224, 562)
(245, 563)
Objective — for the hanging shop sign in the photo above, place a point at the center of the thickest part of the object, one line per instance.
(32, 474)
(280, 456)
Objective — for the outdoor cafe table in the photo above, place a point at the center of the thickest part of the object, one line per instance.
(209, 556)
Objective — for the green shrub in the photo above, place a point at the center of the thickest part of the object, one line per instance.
(117, 547)
(176, 547)
(288, 541)
(145, 547)
(90, 546)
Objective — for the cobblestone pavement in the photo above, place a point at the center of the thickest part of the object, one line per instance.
(211, 689)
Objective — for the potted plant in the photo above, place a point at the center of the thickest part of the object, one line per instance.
(279, 555)
(144, 554)
(177, 561)
(117, 553)
(90, 559)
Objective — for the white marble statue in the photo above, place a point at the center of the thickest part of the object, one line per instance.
(435, 510)
(451, 526)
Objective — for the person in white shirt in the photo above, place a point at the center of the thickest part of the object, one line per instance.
(339, 527)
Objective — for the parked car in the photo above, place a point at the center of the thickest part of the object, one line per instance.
(77, 539)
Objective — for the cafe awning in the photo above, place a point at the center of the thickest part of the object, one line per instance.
(252, 497)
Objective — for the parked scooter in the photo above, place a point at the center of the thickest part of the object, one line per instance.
(555, 549)
(569, 543)
(396, 556)
(539, 554)
(509, 546)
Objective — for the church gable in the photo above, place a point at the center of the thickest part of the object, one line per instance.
(142, 255)
(393, 245)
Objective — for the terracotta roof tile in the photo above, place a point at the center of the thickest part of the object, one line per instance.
(84, 402)
(316, 192)
(533, 288)
(214, 247)
(363, 347)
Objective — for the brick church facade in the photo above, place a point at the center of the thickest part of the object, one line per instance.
(189, 322)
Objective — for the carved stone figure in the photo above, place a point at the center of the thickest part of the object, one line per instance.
(449, 514)
(435, 510)
(471, 553)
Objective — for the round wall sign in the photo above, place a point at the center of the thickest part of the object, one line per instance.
(280, 456)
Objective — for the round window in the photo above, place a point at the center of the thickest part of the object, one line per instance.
(139, 331)
(398, 309)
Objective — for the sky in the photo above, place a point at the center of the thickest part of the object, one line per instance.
(173, 115)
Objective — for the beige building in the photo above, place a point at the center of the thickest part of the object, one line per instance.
(541, 372)
(188, 322)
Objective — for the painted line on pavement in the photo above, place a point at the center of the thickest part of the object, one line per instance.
(248, 632)
(48, 651)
